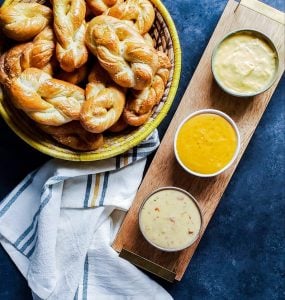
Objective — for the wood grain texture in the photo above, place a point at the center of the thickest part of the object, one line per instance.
(202, 92)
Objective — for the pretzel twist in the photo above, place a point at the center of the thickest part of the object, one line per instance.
(36, 54)
(122, 51)
(104, 103)
(70, 27)
(74, 77)
(74, 136)
(98, 7)
(140, 105)
(46, 100)
(23, 21)
(141, 12)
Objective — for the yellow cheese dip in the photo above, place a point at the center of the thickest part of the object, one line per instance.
(206, 143)
(170, 219)
(245, 63)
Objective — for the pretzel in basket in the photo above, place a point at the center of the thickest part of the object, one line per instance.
(141, 12)
(74, 136)
(23, 21)
(46, 100)
(70, 27)
(140, 105)
(75, 77)
(98, 7)
(37, 54)
(104, 103)
(122, 51)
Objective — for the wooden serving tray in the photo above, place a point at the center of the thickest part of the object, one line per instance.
(202, 92)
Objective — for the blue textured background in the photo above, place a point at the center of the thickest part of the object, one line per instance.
(242, 254)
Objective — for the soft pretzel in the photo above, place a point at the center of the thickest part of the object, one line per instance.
(141, 12)
(74, 136)
(46, 100)
(104, 103)
(122, 51)
(70, 27)
(139, 106)
(119, 126)
(35, 54)
(23, 21)
(98, 7)
(75, 77)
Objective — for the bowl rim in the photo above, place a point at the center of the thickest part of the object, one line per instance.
(190, 196)
(227, 118)
(258, 34)
(139, 136)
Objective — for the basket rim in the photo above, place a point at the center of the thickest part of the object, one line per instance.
(139, 136)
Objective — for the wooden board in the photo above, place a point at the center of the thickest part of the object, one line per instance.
(202, 92)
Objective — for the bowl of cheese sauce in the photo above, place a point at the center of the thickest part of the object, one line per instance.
(170, 219)
(245, 63)
(206, 143)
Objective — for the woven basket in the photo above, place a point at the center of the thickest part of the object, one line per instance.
(165, 36)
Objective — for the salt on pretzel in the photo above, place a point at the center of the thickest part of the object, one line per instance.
(23, 21)
(70, 27)
(36, 54)
(122, 51)
(140, 104)
(74, 136)
(98, 7)
(104, 103)
(46, 100)
(141, 12)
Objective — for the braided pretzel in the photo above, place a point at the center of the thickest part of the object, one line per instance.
(74, 136)
(74, 77)
(46, 100)
(23, 21)
(139, 106)
(139, 11)
(119, 126)
(70, 27)
(104, 103)
(122, 51)
(98, 7)
(35, 54)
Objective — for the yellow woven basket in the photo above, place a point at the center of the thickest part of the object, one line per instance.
(166, 38)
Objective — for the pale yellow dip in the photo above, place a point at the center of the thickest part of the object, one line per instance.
(170, 219)
(245, 63)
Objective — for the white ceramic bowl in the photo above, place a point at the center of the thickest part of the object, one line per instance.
(198, 209)
(227, 118)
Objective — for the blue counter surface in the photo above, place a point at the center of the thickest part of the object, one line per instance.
(242, 254)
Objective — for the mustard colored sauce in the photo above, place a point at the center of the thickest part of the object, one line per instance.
(206, 143)
(170, 219)
(245, 63)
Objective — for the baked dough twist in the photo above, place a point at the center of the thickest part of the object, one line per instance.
(23, 21)
(74, 136)
(70, 27)
(122, 51)
(104, 103)
(141, 12)
(139, 106)
(37, 54)
(98, 7)
(75, 77)
(46, 100)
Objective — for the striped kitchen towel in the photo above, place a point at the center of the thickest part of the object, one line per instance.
(58, 224)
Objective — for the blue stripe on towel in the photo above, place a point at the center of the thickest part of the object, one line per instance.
(88, 189)
(35, 220)
(118, 162)
(135, 150)
(76, 294)
(104, 188)
(85, 279)
(29, 179)
(30, 240)
(29, 254)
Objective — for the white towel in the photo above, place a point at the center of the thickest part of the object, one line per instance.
(58, 224)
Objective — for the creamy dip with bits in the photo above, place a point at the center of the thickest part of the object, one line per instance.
(170, 219)
(245, 63)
